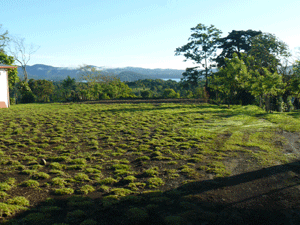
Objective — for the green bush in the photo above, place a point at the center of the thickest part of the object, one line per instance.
(170, 93)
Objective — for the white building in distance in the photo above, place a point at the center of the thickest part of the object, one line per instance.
(4, 87)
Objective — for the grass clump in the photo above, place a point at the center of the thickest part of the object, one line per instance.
(130, 179)
(20, 201)
(3, 195)
(152, 172)
(64, 191)
(86, 189)
(30, 183)
(89, 222)
(5, 186)
(40, 175)
(59, 181)
(9, 209)
(76, 216)
(174, 220)
(56, 165)
(108, 180)
(81, 177)
(155, 182)
(80, 161)
(137, 215)
(121, 191)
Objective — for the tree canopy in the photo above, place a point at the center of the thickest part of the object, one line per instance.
(237, 41)
(201, 47)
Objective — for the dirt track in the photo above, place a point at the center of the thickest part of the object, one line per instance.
(138, 101)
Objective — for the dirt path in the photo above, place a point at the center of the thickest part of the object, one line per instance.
(260, 196)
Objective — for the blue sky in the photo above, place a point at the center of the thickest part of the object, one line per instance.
(138, 33)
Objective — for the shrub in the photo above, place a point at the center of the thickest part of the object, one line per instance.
(170, 93)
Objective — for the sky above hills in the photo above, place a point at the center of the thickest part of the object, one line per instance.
(120, 33)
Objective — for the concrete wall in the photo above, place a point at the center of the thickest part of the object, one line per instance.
(4, 92)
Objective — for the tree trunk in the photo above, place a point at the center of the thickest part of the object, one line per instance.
(25, 74)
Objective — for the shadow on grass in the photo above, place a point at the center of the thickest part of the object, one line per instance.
(265, 196)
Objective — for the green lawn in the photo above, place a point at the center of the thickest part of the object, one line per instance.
(100, 156)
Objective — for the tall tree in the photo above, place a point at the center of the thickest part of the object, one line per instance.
(265, 85)
(229, 79)
(268, 51)
(3, 39)
(294, 86)
(22, 53)
(201, 47)
(190, 78)
(12, 73)
(42, 89)
(237, 41)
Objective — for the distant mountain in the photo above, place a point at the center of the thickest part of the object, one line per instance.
(40, 71)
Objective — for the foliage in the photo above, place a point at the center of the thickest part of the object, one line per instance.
(231, 78)
(27, 95)
(42, 89)
(190, 78)
(3, 40)
(170, 93)
(235, 42)
(212, 137)
(267, 51)
(202, 45)
(12, 73)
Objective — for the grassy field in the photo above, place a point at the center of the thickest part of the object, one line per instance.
(127, 163)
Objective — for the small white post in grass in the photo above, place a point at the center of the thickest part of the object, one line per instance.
(4, 88)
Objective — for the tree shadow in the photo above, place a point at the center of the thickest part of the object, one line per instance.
(265, 196)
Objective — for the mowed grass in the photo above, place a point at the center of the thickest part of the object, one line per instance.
(116, 153)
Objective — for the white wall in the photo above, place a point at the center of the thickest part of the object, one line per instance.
(3, 87)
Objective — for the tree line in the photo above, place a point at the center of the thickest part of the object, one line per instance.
(244, 67)
(252, 67)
